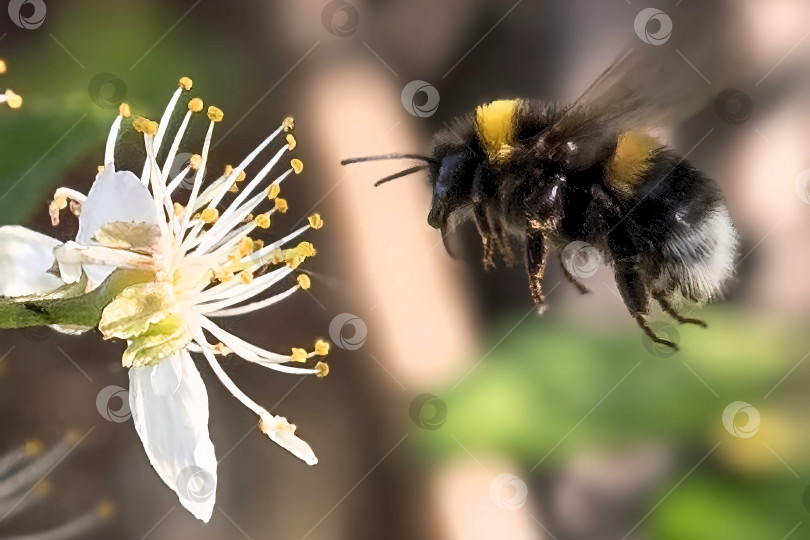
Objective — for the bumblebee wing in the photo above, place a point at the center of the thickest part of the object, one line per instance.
(676, 63)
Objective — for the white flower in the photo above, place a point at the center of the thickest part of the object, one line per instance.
(205, 266)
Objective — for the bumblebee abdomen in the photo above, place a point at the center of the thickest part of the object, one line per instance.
(684, 229)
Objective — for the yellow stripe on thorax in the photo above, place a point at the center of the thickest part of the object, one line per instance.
(495, 126)
(632, 160)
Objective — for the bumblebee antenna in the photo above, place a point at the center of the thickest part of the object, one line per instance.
(427, 159)
(400, 174)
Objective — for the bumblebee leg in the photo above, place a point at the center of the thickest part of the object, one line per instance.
(535, 266)
(571, 279)
(670, 310)
(499, 235)
(636, 298)
(481, 217)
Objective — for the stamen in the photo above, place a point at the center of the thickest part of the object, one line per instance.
(281, 205)
(298, 355)
(321, 348)
(315, 221)
(210, 215)
(304, 281)
(323, 369)
(288, 124)
(35, 470)
(273, 190)
(13, 100)
(297, 165)
(290, 141)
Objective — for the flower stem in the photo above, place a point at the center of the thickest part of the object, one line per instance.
(83, 310)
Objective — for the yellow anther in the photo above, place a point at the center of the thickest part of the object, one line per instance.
(247, 276)
(222, 349)
(315, 221)
(297, 165)
(306, 249)
(262, 221)
(288, 123)
(195, 161)
(209, 215)
(124, 111)
(100, 169)
(281, 205)
(13, 100)
(323, 369)
(295, 262)
(105, 510)
(2, 67)
(258, 244)
(248, 218)
(241, 177)
(223, 276)
(228, 171)
(234, 188)
(245, 246)
(178, 209)
(33, 447)
(273, 190)
(304, 281)
(215, 114)
(144, 125)
(298, 355)
(60, 202)
(195, 105)
(291, 141)
(185, 82)
(321, 348)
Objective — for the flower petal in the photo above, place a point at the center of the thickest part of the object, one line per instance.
(25, 258)
(115, 196)
(170, 409)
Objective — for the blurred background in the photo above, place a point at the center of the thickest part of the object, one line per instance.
(452, 410)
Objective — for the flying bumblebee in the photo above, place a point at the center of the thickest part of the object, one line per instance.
(543, 175)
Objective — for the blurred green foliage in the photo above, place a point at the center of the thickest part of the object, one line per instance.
(549, 391)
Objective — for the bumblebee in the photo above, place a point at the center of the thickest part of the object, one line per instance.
(540, 175)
